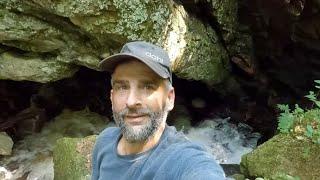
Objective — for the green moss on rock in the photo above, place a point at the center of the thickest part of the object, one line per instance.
(282, 156)
(72, 158)
(82, 31)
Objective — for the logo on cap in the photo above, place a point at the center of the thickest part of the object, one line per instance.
(154, 57)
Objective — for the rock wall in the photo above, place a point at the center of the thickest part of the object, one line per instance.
(44, 40)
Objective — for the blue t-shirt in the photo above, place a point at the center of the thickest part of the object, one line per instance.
(174, 157)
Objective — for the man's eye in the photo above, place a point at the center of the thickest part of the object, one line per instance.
(120, 87)
(149, 86)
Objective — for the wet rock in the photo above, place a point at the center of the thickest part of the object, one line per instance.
(283, 156)
(32, 156)
(72, 158)
(6, 144)
(231, 169)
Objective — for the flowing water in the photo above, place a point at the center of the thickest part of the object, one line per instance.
(32, 156)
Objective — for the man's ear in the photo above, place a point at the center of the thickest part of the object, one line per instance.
(170, 99)
(111, 94)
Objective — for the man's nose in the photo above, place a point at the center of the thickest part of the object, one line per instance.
(134, 98)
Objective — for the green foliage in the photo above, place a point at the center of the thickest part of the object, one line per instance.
(299, 122)
(286, 119)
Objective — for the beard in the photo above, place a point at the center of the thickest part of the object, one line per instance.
(143, 132)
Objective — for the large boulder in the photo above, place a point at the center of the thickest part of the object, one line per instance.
(72, 158)
(82, 32)
(283, 156)
(195, 49)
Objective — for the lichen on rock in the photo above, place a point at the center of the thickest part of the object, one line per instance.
(82, 32)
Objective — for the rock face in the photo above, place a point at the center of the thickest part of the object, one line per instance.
(72, 158)
(56, 37)
(283, 156)
(33, 68)
(6, 144)
(235, 36)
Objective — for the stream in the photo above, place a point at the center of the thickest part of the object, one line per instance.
(31, 158)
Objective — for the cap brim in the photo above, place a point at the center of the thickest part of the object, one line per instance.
(108, 64)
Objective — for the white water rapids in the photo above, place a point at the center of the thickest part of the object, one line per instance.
(32, 156)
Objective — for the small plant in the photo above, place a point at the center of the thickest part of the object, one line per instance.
(302, 123)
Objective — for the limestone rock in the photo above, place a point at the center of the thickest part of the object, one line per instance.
(78, 32)
(6, 144)
(283, 156)
(195, 49)
(32, 34)
(72, 158)
(38, 69)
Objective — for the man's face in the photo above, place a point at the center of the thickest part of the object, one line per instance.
(140, 100)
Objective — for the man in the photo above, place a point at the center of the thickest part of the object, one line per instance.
(144, 147)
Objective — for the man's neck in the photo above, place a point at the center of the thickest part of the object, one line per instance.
(126, 148)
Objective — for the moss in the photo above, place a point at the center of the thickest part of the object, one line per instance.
(226, 12)
(281, 156)
(72, 158)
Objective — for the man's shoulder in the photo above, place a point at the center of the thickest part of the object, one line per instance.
(177, 144)
(182, 156)
(110, 132)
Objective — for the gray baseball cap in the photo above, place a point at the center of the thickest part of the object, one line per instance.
(153, 56)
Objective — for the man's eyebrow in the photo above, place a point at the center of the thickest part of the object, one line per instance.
(151, 81)
(118, 82)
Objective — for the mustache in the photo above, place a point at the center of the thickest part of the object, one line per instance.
(140, 111)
